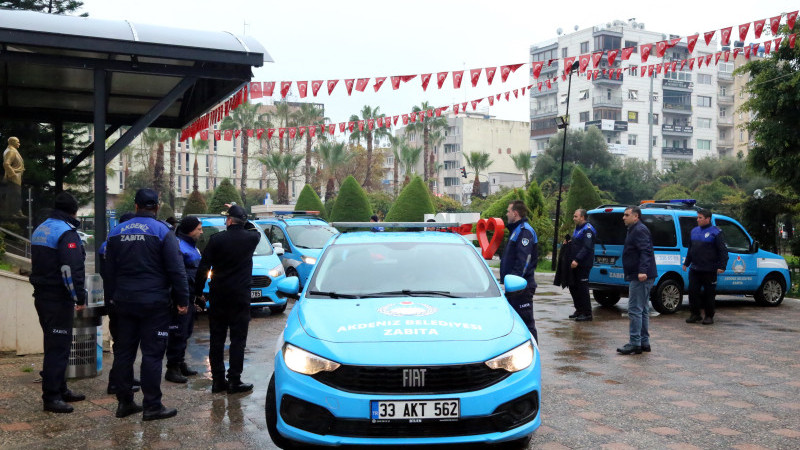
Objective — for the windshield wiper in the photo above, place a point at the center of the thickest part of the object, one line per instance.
(332, 294)
(410, 293)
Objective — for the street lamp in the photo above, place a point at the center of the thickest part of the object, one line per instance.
(562, 123)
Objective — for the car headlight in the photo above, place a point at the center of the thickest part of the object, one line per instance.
(310, 260)
(301, 361)
(276, 271)
(514, 360)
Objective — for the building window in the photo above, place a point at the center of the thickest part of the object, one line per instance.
(121, 184)
(187, 162)
(208, 184)
(180, 183)
(234, 165)
(723, 112)
(541, 145)
(585, 47)
(584, 116)
(179, 161)
(564, 52)
(215, 144)
(704, 144)
(499, 151)
(584, 94)
(703, 123)
(633, 44)
(703, 78)
(723, 134)
(508, 151)
(633, 117)
(741, 135)
(655, 141)
(633, 94)
(631, 139)
(655, 119)
(703, 101)
(186, 188)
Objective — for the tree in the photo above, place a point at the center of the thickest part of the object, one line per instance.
(585, 148)
(195, 204)
(283, 166)
(478, 162)
(225, 193)
(409, 157)
(45, 6)
(425, 127)
(774, 106)
(156, 137)
(309, 114)
(308, 200)
(582, 195)
(671, 191)
(522, 161)
(395, 143)
(380, 202)
(245, 117)
(412, 204)
(351, 204)
(333, 155)
(367, 114)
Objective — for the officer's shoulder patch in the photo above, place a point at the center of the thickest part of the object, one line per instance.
(589, 234)
(525, 242)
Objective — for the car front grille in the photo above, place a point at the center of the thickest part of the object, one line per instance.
(390, 379)
(261, 281)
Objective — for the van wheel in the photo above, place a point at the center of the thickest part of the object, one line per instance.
(606, 298)
(667, 297)
(771, 291)
(271, 414)
(277, 309)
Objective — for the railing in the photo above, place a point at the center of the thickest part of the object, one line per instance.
(677, 152)
(725, 143)
(794, 289)
(605, 101)
(16, 244)
(725, 75)
(725, 121)
(727, 99)
(677, 107)
(688, 129)
(545, 111)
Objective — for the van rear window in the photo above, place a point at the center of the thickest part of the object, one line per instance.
(611, 230)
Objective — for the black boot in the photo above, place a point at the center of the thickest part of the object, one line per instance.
(70, 396)
(58, 406)
(236, 386)
(174, 375)
(219, 386)
(159, 413)
(125, 409)
(186, 371)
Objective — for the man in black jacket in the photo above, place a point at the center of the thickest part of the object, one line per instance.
(639, 267)
(520, 258)
(229, 256)
(706, 257)
(56, 253)
(581, 261)
(145, 273)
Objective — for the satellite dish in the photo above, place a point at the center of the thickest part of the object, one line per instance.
(576, 28)
(559, 31)
(758, 194)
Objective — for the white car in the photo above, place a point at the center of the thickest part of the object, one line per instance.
(84, 237)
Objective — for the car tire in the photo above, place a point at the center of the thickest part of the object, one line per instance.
(771, 291)
(271, 414)
(277, 309)
(292, 272)
(606, 298)
(667, 297)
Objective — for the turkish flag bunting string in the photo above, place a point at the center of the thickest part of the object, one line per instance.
(457, 75)
(302, 88)
(708, 36)
(726, 36)
(505, 71)
(285, 86)
(361, 84)
(474, 76)
(315, 85)
(378, 83)
(626, 53)
(596, 57)
(537, 69)
(426, 78)
(348, 84)
(490, 74)
(743, 28)
(440, 77)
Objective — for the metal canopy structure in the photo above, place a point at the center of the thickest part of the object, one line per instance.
(114, 73)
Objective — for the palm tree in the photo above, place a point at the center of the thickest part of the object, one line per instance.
(477, 161)
(172, 171)
(522, 161)
(198, 144)
(436, 138)
(333, 155)
(245, 117)
(425, 127)
(308, 114)
(409, 158)
(285, 118)
(157, 137)
(283, 166)
(395, 142)
(368, 113)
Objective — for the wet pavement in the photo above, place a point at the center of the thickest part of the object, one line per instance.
(734, 384)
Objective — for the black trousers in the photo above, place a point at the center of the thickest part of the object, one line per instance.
(144, 327)
(55, 317)
(180, 330)
(228, 314)
(579, 290)
(522, 302)
(702, 290)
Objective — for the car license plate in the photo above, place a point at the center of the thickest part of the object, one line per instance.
(605, 260)
(415, 409)
(255, 293)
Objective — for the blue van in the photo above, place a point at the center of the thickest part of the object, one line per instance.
(302, 235)
(750, 271)
(267, 267)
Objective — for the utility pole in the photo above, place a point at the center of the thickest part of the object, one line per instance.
(650, 132)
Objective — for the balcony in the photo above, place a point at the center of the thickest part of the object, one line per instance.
(608, 80)
(677, 130)
(725, 76)
(725, 142)
(725, 121)
(677, 108)
(724, 99)
(677, 153)
(549, 110)
(535, 92)
(675, 85)
(604, 101)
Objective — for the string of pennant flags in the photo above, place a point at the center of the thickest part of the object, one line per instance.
(258, 89)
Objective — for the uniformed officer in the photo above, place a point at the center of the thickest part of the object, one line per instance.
(143, 263)
(57, 276)
(189, 230)
(230, 256)
(520, 258)
(582, 259)
(706, 257)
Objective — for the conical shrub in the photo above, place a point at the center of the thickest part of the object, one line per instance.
(308, 200)
(412, 204)
(351, 204)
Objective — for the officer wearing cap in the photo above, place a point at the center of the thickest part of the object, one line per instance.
(144, 270)
(229, 255)
(57, 276)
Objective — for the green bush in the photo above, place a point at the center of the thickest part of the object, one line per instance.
(225, 193)
(446, 204)
(165, 211)
(380, 202)
(795, 245)
(500, 206)
(308, 200)
(195, 204)
(351, 204)
(413, 202)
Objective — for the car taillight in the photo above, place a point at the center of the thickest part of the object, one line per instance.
(609, 209)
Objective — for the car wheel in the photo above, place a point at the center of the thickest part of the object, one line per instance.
(667, 297)
(277, 309)
(292, 272)
(271, 414)
(606, 298)
(771, 291)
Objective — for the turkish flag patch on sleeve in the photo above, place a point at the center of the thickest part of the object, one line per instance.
(72, 245)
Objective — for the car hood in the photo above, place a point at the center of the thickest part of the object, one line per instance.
(265, 263)
(406, 319)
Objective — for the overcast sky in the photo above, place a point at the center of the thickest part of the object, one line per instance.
(316, 39)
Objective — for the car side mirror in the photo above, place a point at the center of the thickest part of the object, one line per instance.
(278, 249)
(289, 287)
(514, 283)
(754, 247)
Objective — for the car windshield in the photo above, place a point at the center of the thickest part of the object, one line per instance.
(263, 248)
(400, 269)
(311, 236)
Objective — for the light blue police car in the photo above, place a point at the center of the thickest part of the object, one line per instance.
(403, 338)
(267, 267)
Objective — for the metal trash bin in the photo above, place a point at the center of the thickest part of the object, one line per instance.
(86, 352)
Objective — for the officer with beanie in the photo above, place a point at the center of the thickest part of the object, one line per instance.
(144, 270)
(189, 231)
(57, 276)
(230, 254)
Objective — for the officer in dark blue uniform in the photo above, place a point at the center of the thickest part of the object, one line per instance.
(143, 264)
(520, 258)
(189, 230)
(706, 257)
(582, 259)
(57, 276)
(230, 254)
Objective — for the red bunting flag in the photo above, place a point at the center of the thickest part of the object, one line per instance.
(497, 97)
(440, 77)
(395, 118)
(747, 52)
(204, 135)
(522, 91)
(595, 74)
(643, 71)
(342, 126)
(301, 131)
(646, 49)
(405, 119)
(537, 69)
(619, 73)
(490, 74)
(777, 42)
(727, 55)
(281, 132)
(331, 85)
(673, 42)
(331, 129)
(387, 123)
(661, 47)
(491, 98)
(506, 95)
(683, 64)
(736, 51)
(584, 63)
(464, 106)
(708, 35)
(361, 84)
(370, 124)
(430, 113)
(612, 55)
(568, 65)
(439, 111)
(726, 36)
(285, 86)
(692, 41)
(717, 56)
(657, 69)
(249, 133)
(708, 60)
(312, 131)
(626, 53)
(270, 132)
(302, 88)
(412, 117)
(475, 104)
(790, 18)
(674, 66)
(792, 38)
(228, 135)
(474, 76)
(539, 85)
(743, 28)
(348, 84)
(516, 94)
(255, 90)
(292, 132)
(378, 83)
(596, 57)
(774, 23)
(269, 87)
(395, 82)
(589, 75)
(380, 122)
(700, 60)
(505, 71)
(457, 75)
(360, 125)
(455, 109)
(426, 78)
(767, 47)
(650, 70)
(259, 133)
(315, 85)
(549, 84)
